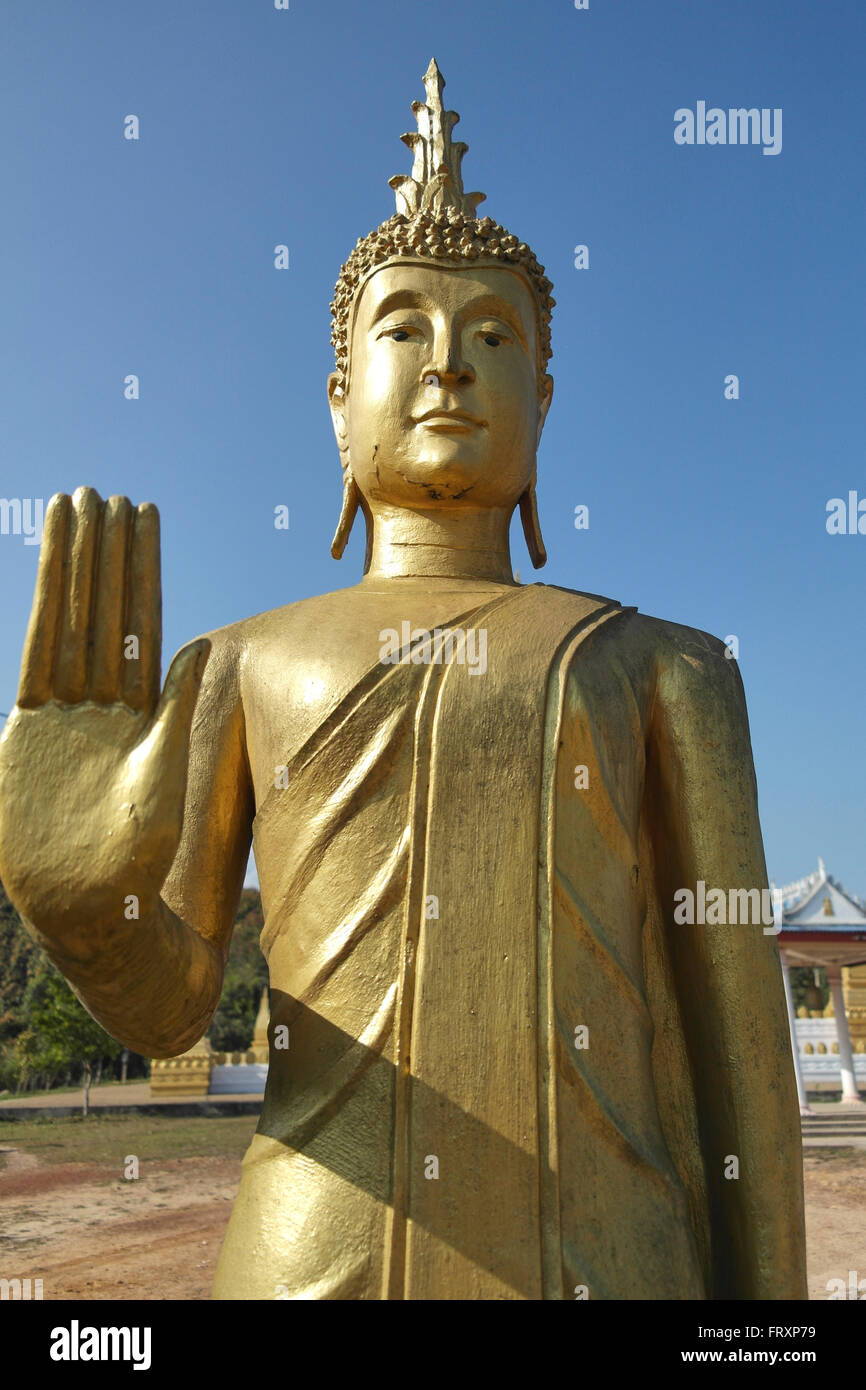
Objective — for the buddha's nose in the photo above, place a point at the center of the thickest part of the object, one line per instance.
(448, 373)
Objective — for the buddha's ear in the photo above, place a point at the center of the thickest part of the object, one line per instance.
(544, 405)
(352, 499)
(337, 403)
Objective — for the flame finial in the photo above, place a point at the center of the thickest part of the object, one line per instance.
(436, 181)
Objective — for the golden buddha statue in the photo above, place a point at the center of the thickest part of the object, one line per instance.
(499, 1067)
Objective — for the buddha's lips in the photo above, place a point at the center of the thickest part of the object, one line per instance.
(450, 419)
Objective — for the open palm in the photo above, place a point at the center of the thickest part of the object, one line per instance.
(93, 760)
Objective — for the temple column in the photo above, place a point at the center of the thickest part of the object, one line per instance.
(789, 1000)
(846, 1058)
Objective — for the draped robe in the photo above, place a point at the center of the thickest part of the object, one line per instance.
(481, 1083)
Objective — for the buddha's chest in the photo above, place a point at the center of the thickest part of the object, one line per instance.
(295, 680)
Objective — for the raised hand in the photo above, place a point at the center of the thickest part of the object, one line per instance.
(93, 761)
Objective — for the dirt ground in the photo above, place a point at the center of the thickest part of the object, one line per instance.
(835, 1185)
(91, 1234)
(88, 1235)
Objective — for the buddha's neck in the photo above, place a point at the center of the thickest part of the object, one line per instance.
(459, 544)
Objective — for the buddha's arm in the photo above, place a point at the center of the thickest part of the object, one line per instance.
(704, 816)
(155, 981)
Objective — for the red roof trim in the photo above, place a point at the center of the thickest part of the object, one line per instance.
(788, 935)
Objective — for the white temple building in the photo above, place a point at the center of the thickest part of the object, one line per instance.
(824, 926)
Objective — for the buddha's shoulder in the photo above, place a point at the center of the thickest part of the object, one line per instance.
(277, 623)
(238, 646)
(649, 648)
(672, 655)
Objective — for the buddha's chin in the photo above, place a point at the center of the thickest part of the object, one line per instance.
(446, 465)
(438, 483)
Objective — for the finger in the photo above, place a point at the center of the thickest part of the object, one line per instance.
(70, 675)
(109, 605)
(143, 612)
(37, 662)
(173, 719)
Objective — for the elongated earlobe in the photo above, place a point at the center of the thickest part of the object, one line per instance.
(348, 512)
(532, 528)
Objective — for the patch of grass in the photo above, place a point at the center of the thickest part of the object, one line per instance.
(109, 1138)
(74, 1090)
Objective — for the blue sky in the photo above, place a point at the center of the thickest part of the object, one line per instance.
(261, 127)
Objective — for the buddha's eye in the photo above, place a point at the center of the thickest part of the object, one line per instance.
(492, 338)
(398, 335)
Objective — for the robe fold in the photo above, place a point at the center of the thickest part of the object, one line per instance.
(479, 1083)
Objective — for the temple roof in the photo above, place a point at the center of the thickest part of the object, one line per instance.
(822, 922)
(820, 903)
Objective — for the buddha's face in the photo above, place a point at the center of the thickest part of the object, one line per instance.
(442, 406)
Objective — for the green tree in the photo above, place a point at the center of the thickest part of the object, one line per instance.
(61, 1033)
(246, 975)
(44, 1055)
(20, 960)
(24, 1061)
